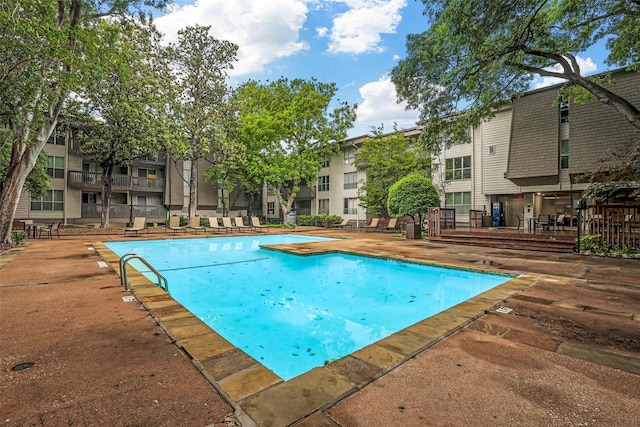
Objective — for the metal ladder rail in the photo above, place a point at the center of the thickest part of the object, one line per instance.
(124, 259)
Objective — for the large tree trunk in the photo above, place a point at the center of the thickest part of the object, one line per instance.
(23, 158)
(285, 205)
(193, 187)
(107, 191)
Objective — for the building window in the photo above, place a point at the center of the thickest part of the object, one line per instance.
(57, 137)
(350, 180)
(564, 154)
(55, 167)
(349, 155)
(460, 201)
(458, 168)
(351, 206)
(323, 206)
(148, 173)
(564, 112)
(52, 201)
(90, 198)
(325, 163)
(271, 208)
(323, 183)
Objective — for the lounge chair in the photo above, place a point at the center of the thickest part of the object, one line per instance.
(174, 224)
(255, 223)
(240, 224)
(559, 222)
(393, 224)
(373, 226)
(343, 224)
(50, 229)
(194, 225)
(139, 224)
(214, 226)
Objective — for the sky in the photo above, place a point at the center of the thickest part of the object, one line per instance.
(352, 43)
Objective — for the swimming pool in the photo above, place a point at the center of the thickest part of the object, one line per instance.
(294, 313)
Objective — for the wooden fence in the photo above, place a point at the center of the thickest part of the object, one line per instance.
(617, 225)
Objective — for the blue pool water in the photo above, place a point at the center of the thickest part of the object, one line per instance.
(294, 313)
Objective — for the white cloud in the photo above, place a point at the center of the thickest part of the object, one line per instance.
(261, 30)
(380, 106)
(322, 31)
(359, 29)
(587, 66)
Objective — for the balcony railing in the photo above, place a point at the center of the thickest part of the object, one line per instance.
(93, 180)
(119, 211)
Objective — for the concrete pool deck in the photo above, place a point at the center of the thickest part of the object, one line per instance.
(568, 353)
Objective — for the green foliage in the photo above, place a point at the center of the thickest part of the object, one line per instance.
(288, 129)
(386, 159)
(478, 55)
(316, 220)
(18, 237)
(203, 122)
(413, 195)
(592, 243)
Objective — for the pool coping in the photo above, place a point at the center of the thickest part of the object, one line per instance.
(256, 392)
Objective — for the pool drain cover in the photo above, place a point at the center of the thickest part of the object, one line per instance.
(23, 366)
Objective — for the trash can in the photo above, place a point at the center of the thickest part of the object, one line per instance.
(291, 218)
(328, 223)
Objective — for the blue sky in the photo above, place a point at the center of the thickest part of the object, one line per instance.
(353, 43)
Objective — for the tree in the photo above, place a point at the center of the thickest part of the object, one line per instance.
(125, 109)
(49, 49)
(386, 159)
(200, 114)
(37, 182)
(413, 195)
(476, 56)
(289, 131)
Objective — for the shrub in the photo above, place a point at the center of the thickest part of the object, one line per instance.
(316, 220)
(18, 237)
(413, 195)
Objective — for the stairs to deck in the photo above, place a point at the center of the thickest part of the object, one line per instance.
(510, 239)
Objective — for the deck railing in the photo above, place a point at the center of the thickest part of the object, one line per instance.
(617, 225)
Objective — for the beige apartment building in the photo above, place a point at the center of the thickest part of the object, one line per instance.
(523, 162)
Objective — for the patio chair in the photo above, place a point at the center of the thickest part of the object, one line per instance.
(560, 221)
(542, 221)
(255, 223)
(343, 224)
(392, 225)
(240, 224)
(139, 224)
(373, 226)
(214, 226)
(50, 229)
(194, 224)
(174, 224)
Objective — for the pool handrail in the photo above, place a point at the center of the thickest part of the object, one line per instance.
(124, 259)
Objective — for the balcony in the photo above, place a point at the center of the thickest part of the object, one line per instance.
(93, 181)
(153, 213)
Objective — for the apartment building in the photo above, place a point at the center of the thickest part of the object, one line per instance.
(525, 161)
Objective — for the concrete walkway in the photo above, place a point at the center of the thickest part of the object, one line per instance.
(568, 353)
